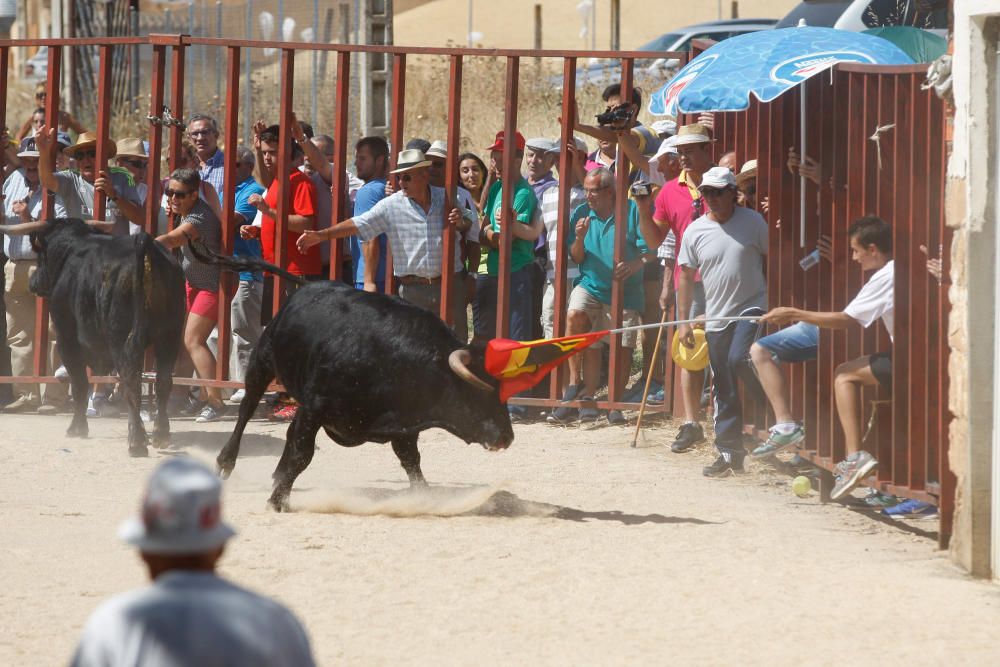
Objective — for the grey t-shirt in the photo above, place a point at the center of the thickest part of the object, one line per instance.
(78, 198)
(731, 259)
(199, 275)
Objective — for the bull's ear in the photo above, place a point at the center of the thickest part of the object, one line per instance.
(478, 350)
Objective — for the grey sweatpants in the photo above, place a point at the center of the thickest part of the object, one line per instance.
(245, 314)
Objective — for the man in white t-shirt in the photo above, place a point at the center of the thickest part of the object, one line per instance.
(728, 245)
(189, 615)
(871, 247)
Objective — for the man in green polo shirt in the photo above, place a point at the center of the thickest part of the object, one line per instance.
(591, 243)
(525, 233)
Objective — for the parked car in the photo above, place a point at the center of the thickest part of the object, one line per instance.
(858, 15)
(654, 70)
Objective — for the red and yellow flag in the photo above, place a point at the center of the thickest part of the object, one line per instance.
(520, 365)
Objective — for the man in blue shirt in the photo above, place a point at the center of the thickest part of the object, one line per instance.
(591, 243)
(371, 159)
(245, 309)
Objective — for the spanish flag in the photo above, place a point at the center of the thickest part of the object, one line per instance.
(520, 365)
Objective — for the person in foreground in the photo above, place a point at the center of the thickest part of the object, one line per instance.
(189, 615)
(871, 247)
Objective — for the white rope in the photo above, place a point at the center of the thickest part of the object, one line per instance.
(742, 318)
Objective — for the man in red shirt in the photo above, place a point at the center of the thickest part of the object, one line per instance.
(301, 216)
(678, 204)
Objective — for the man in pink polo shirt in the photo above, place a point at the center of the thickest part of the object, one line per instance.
(677, 205)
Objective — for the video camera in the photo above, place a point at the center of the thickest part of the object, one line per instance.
(617, 117)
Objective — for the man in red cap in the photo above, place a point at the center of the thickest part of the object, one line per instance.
(495, 223)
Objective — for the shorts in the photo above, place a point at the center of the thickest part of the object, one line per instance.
(549, 305)
(881, 365)
(203, 302)
(600, 315)
(799, 342)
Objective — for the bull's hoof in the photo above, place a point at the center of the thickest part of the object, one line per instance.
(77, 432)
(224, 471)
(138, 451)
(161, 442)
(279, 504)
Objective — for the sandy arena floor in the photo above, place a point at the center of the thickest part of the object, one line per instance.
(569, 548)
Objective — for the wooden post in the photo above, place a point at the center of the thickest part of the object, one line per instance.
(538, 31)
(616, 25)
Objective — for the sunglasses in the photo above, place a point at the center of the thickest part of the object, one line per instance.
(711, 192)
(41, 96)
(200, 133)
(405, 178)
(83, 155)
(177, 193)
(135, 164)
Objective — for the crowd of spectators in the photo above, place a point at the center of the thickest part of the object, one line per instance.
(695, 244)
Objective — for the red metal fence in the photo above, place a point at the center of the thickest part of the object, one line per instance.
(900, 177)
(879, 140)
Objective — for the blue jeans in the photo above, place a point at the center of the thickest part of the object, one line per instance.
(729, 354)
(484, 307)
(799, 342)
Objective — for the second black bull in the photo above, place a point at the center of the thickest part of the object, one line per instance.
(365, 368)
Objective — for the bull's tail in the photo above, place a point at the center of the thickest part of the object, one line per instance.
(204, 254)
(142, 286)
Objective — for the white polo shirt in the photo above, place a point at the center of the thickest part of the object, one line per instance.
(875, 300)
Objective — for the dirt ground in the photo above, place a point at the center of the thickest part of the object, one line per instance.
(569, 548)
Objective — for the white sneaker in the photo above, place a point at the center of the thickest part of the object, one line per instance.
(62, 374)
(91, 410)
(237, 396)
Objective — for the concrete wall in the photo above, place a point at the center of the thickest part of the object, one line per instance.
(972, 329)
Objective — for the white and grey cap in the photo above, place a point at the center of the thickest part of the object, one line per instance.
(181, 511)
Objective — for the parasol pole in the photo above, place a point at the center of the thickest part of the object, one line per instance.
(802, 157)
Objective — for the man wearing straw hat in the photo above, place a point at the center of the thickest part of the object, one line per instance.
(729, 246)
(76, 188)
(133, 158)
(413, 218)
(678, 204)
(188, 615)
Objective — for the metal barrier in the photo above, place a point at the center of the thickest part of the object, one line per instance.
(169, 50)
(880, 142)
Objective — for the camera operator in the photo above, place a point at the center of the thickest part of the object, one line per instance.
(619, 118)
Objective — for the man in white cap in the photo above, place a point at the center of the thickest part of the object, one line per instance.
(413, 218)
(729, 246)
(678, 204)
(22, 202)
(189, 615)
(538, 162)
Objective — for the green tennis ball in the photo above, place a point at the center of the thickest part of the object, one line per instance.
(801, 486)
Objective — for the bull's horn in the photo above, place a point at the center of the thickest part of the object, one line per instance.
(459, 362)
(24, 228)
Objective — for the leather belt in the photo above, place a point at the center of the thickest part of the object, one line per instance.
(419, 280)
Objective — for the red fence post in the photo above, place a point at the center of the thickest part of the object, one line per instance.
(155, 137)
(396, 145)
(177, 132)
(566, 169)
(228, 209)
(103, 127)
(511, 174)
(451, 190)
(281, 174)
(622, 168)
(339, 198)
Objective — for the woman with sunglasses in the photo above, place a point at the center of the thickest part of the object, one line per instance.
(188, 159)
(194, 219)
